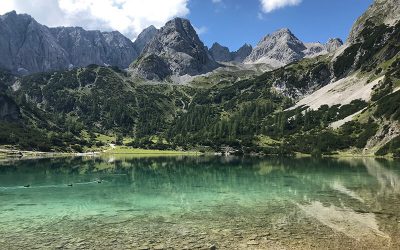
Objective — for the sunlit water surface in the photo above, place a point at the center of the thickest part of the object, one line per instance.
(231, 203)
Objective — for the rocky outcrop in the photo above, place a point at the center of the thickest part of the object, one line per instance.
(333, 44)
(277, 49)
(153, 67)
(283, 47)
(380, 12)
(317, 49)
(177, 47)
(222, 54)
(243, 52)
(144, 38)
(28, 47)
(94, 47)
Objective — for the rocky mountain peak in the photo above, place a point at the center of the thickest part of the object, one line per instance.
(277, 49)
(282, 32)
(178, 47)
(177, 34)
(220, 53)
(12, 13)
(284, 36)
(242, 53)
(283, 47)
(144, 38)
(333, 44)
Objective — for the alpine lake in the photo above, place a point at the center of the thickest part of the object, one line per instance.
(199, 202)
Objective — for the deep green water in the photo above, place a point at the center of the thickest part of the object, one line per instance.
(230, 202)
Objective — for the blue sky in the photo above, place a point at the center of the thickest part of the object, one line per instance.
(235, 22)
(229, 22)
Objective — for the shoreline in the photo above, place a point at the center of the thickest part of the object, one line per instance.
(26, 155)
(14, 154)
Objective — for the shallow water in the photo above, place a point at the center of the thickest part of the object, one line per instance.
(194, 203)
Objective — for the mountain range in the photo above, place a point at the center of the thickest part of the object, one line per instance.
(28, 47)
(175, 50)
(282, 97)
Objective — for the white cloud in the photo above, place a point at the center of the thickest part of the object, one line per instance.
(271, 5)
(201, 30)
(216, 1)
(129, 17)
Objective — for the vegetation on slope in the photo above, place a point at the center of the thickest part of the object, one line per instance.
(72, 110)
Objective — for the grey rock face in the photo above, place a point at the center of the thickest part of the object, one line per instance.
(282, 47)
(241, 54)
(28, 47)
(380, 12)
(144, 38)
(277, 49)
(316, 49)
(94, 47)
(153, 67)
(179, 47)
(9, 111)
(333, 44)
(220, 53)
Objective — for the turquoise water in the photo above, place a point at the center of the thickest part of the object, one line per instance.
(184, 202)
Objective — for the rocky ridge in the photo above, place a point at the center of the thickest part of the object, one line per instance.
(28, 47)
(145, 37)
(283, 47)
(176, 50)
(222, 54)
(380, 12)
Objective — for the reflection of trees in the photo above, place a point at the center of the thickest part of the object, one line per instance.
(287, 177)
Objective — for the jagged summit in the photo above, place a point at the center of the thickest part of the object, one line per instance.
(11, 13)
(277, 49)
(27, 47)
(176, 46)
(283, 47)
(145, 37)
(242, 53)
(94, 47)
(222, 54)
(333, 44)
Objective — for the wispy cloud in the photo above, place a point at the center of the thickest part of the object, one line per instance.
(216, 1)
(271, 5)
(129, 17)
(201, 30)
